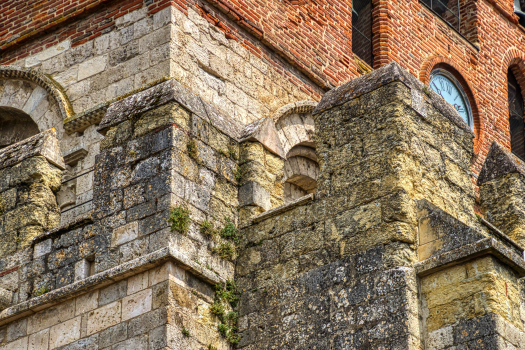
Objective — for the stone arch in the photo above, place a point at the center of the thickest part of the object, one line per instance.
(295, 125)
(443, 62)
(25, 92)
(300, 177)
(514, 63)
(296, 131)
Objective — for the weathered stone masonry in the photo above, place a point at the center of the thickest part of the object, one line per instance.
(386, 252)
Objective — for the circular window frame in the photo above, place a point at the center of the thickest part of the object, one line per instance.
(449, 75)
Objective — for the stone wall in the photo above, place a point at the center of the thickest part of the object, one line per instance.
(30, 173)
(149, 310)
(154, 160)
(340, 269)
(501, 191)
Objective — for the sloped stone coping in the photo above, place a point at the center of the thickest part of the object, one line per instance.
(264, 131)
(163, 93)
(44, 144)
(503, 236)
(281, 209)
(486, 246)
(500, 162)
(392, 72)
(48, 84)
(79, 221)
(105, 278)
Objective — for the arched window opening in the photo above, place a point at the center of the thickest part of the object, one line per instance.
(362, 30)
(301, 172)
(15, 126)
(517, 126)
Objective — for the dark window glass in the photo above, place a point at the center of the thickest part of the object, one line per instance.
(362, 30)
(448, 10)
(517, 126)
(519, 9)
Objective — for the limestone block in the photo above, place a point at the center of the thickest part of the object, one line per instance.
(6, 297)
(51, 316)
(165, 115)
(82, 270)
(44, 144)
(39, 340)
(42, 248)
(48, 53)
(136, 304)
(113, 335)
(86, 302)
(92, 67)
(64, 333)
(114, 292)
(137, 283)
(17, 345)
(251, 193)
(104, 317)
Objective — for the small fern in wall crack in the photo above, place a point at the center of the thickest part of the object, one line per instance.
(179, 218)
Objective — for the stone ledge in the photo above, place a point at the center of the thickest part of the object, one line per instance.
(486, 246)
(163, 93)
(503, 236)
(281, 209)
(44, 144)
(79, 122)
(105, 278)
(499, 162)
(385, 75)
(263, 131)
(79, 221)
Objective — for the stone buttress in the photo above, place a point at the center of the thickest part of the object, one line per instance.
(122, 276)
(389, 253)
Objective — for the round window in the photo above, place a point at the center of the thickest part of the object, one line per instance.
(447, 86)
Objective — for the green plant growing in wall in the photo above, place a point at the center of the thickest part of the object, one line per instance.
(207, 229)
(179, 218)
(217, 309)
(42, 290)
(228, 294)
(186, 332)
(2, 206)
(231, 152)
(426, 90)
(211, 347)
(238, 174)
(225, 251)
(192, 151)
(229, 231)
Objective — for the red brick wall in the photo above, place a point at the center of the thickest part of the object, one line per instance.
(315, 36)
(410, 34)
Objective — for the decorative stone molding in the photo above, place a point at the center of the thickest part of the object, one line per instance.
(295, 125)
(292, 108)
(263, 131)
(48, 84)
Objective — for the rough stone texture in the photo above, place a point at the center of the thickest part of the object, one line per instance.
(44, 144)
(30, 173)
(340, 271)
(502, 190)
(387, 254)
(261, 173)
(170, 301)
